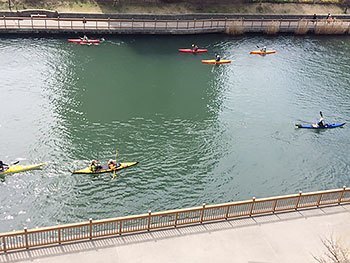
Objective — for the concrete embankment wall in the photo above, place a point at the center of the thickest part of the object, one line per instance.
(39, 21)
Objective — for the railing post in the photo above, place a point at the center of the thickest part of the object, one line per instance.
(4, 244)
(4, 21)
(132, 23)
(227, 211)
(211, 22)
(45, 24)
(274, 206)
(96, 24)
(252, 207)
(225, 21)
(58, 20)
(31, 20)
(319, 200)
(149, 220)
(143, 25)
(109, 23)
(120, 227)
(166, 25)
(26, 237)
(19, 25)
(202, 213)
(84, 22)
(188, 24)
(341, 195)
(194, 23)
(90, 228)
(155, 23)
(71, 24)
(177, 23)
(202, 24)
(299, 197)
(59, 236)
(176, 217)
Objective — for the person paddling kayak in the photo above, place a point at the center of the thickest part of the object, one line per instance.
(3, 166)
(217, 58)
(194, 48)
(263, 49)
(112, 164)
(95, 166)
(85, 38)
(321, 122)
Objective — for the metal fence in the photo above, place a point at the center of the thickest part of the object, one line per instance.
(38, 24)
(29, 238)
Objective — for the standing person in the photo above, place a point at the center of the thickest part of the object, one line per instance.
(3, 166)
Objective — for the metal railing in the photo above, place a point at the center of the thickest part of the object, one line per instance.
(154, 26)
(92, 229)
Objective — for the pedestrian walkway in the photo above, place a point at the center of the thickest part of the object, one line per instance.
(285, 237)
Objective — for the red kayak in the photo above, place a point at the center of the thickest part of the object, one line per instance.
(84, 42)
(188, 50)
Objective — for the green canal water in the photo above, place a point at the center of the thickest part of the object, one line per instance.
(201, 133)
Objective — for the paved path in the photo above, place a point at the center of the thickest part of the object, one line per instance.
(288, 237)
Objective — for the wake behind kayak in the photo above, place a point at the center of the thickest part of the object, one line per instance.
(315, 126)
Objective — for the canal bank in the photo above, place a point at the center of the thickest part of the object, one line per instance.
(44, 22)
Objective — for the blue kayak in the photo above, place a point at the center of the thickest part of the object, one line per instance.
(313, 126)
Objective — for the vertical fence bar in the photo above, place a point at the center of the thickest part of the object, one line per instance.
(4, 22)
(274, 206)
(341, 195)
(96, 24)
(71, 24)
(225, 22)
(58, 22)
(120, 227)
(319, 200)
(109, 23)
(227, 211)
(84, 22)
(31, 20)
(299, 197)
(188, 24)
(176, 217)
(19, 25)
(202, 213)
(132, 23)
(155, 23)
(4, 244)
(59, 236)
(90, 228)
(149, 220)
(26, 237)
(252, 207)
(45, 24)
(143, 25)
(194, 23)
(202, 24)
(177, 23)
(166, 24)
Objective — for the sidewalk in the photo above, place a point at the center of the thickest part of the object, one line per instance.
(288, 237)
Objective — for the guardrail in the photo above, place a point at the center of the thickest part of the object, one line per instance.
(92, 229)
(37, 24)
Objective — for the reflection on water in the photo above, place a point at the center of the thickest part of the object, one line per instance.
(201, 133)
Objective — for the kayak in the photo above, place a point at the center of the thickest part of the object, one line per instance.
(327, 126)
(84, 42)
(22, 168)
(259, 52)
(105, 169)
(188, 50)
(214, 62)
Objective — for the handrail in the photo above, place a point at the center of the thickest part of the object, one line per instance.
(173, 26)
(92, 229)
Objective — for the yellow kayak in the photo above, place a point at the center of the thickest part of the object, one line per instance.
(87, 170)
(259, 52)
(214, 62)
(22, 168)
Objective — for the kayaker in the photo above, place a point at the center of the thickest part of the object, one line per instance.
(112, 164)
(194, 47)
(263, 49)
(217, 57)
(85, 38)
(95, 165)
(321, 122)
(3, 166)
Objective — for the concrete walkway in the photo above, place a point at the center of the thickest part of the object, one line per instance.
(288, 237)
